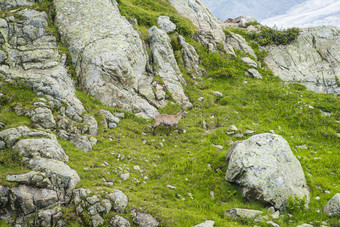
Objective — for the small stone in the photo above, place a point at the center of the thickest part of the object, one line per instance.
(212, 194)
(271, 210)
(276, 215)
(317, 198)
(118, 221)
(92, 200)
(218, 94)
(125, 176)
(232, 128)
(302, 147)
(108, 184)
(206, 224)
(136, 168)
(238, 135)
(272, 224)
(200, 99)
(249, 132)
(272, 131)
(218, 146)
(171, 187)
(184, 131)
(304, 225)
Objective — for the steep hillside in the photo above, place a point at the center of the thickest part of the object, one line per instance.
(77, 99)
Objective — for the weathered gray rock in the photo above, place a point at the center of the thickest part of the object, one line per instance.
(206, 224)
(333, 205)
(118, 221)
(32, 178)
(92, 124)
(165, 24)
(28, 199)
(266, 169)
(242, 213)
(210, 28)
(190, 58)
(81, 142)
(46, 216)
(166, 66)
(109, 120)
(243, 21)
(143, 219)
(120, 201)
(304, 225)
(97, 220)
(46, 148)
(250, 62)
(33, 58)
(12, 135)
(108, 53)
(312, 59)
(62, 176)
(238, 42)
(10, 4)
(4, 196)
(254, 73)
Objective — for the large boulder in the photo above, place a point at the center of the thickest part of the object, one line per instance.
(333, 206)
(166, 66)
(47, 148)
(143, 219)
(108, 54)
(312, 59)
(32, 57)
(266, 170)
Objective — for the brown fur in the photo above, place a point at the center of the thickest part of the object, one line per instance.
(168, 120)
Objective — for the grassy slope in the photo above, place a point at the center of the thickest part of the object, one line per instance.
(183, 160)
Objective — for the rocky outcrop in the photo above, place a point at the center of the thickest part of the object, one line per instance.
(165, 24)
(50, 184)
(238, 42)
(166, 67)
(333, 206)
(108, 53)
(191, 59)
(88, 202)
(202, 18)
(313, 60)
(30, 56)
(10, 4)
(266, 170)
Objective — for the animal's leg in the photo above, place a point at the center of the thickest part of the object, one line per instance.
(153, 129)
(169, 130)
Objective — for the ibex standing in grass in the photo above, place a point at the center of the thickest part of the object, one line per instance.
(168, 120)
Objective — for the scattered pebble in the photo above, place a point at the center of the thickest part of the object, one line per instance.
(218, 146)
(136, 168)
(317, 198)
(200, 99)
(171, 187)
(125, 176)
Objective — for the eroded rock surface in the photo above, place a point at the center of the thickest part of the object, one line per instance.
(266, 170)
(166, 66)
(312, 60)
(108, 53)
(30, 55)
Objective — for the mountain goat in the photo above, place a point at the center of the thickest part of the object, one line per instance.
(168, 120)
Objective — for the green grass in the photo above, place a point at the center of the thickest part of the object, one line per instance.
(189, 161)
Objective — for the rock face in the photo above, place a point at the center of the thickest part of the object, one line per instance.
(166, 66)
(30, 55)
(191, 59)
(312, 60)
(108, 53)
(333, 206)
(165, 24)
(266, 169)
(201, 17)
